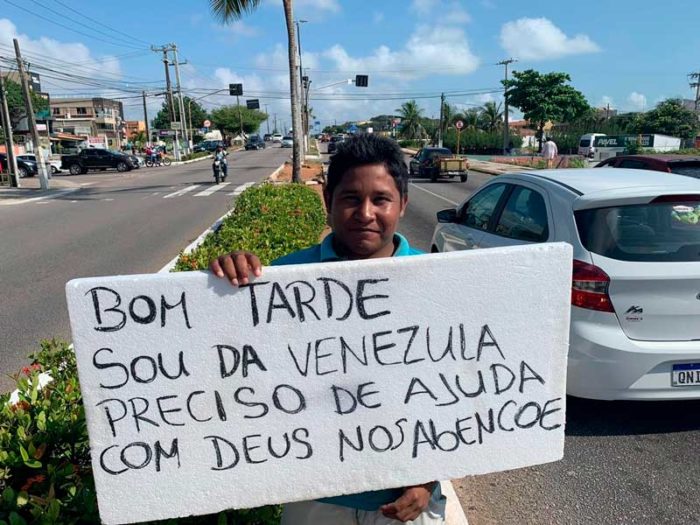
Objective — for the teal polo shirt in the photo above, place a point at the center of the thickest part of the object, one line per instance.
(324, 252)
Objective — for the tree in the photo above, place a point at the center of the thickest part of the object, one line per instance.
(471, 118)
(449, 113)
(669, 117)
(139, 139)
(199, 115)
(15, 102)
(231, 10)
(491, 116)
(411, 115)
(228, 119)
(545, 97)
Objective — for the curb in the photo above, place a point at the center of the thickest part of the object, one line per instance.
(454, 513)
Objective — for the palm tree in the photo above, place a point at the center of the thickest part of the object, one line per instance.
(229, 10)
(411, 115)
(491, 116)
(471, 118)
(448, 116)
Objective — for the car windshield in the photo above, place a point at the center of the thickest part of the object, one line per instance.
(440, 151)
(656, 232)
(692, 169)
(585, 143)
(287, 138)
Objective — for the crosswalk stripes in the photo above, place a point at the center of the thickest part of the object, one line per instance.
(212, 189)
(178, 193)
(240, 189)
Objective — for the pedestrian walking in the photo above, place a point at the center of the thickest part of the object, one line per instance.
(550, 152)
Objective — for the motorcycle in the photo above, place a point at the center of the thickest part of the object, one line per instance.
(217, 171)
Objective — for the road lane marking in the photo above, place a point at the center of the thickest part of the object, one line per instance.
(434, 194)
(58, 193)
(240, 189)
(178, 193)
(209, 191)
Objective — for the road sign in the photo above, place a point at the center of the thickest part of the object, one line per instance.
(207, 124)
(175, 125)
(235, 89)
(395, 122)
(166, 133)
(459, 124)
(352, 129)
(253, 103)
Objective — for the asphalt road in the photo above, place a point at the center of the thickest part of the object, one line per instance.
(115, 224)
(624, 462)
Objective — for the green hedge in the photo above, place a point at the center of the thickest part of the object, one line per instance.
(45, 470)
(195, 155)
(269, 221)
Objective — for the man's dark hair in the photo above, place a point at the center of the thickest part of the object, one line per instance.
(364, 149)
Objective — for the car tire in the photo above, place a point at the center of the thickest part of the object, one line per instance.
(433, 176)
(53, 170)
(122, 167)
(22, 172)
(463, 178)
(75, 169)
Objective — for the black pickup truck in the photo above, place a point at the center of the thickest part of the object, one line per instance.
(96, 159)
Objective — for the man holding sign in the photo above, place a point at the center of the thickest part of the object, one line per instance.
(366, 195)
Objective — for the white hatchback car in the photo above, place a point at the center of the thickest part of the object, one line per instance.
(635, 316)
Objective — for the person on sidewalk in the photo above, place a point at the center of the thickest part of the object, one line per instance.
(365, 195)
(550, 152)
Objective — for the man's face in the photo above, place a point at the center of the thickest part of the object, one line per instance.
(364, 212)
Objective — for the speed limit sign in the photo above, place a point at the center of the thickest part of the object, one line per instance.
(459, 124)
(207, 124)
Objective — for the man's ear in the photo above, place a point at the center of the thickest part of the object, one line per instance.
(404, 204)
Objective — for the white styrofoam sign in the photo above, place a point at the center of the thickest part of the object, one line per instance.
(322, 379)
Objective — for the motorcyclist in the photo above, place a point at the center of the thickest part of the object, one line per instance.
(220, 155)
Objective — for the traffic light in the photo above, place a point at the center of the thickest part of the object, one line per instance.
(235, 89)
(361, 80)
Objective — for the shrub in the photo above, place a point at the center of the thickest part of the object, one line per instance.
(577, 162)
(269, 221)
(196, 155)
(45, 470)
(412, 144)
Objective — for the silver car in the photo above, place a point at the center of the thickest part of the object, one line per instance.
(635, 294)
(287, 142)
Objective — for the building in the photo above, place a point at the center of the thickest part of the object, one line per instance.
(133, 127)
(99, 120)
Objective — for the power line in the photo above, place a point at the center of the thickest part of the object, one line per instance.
(101, 23)
(70, 28)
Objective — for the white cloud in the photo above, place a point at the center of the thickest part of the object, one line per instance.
(427, 48)
(604, 101)
(424, 7)
(441, 11)
(637, 101)
(540, 39)
(377, 17)
(46, 50)
(237, 28)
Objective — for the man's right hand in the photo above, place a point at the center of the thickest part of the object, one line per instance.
(236, 267)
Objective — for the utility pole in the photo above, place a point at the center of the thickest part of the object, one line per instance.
(169, 91)
(183, 127)
(607, 112)
(9, 141)
(145, 117)
(304, 109)
(506, 130)
(442, 105)
(268, 120)
(275, 117)
(31, 119)
(696, 84)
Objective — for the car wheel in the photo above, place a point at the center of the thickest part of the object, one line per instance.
(463, 178)
(122, 167)
(53, 170)
(75, 169)
(434, 249)
(22, 172)
(433, 176)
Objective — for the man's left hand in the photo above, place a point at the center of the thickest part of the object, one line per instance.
(412, 502)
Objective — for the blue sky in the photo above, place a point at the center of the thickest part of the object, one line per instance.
(629, 53)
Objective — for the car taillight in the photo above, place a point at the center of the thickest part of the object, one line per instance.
(589, 288)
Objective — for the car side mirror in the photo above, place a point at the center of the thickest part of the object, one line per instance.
(448, 215)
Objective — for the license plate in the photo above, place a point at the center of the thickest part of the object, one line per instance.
(686, 374)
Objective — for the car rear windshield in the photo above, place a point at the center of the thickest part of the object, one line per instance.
(660, 232)
(692, 169)
(441, 151)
